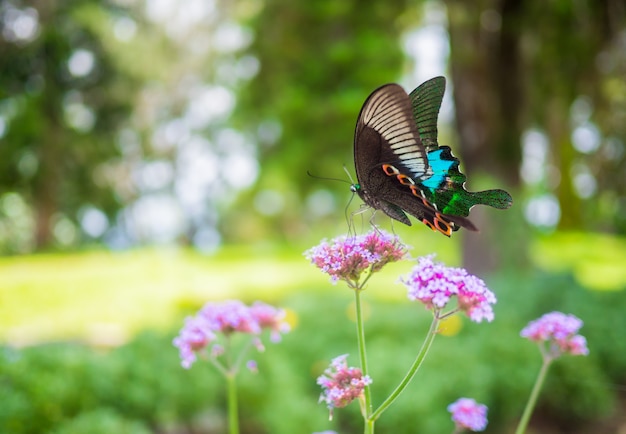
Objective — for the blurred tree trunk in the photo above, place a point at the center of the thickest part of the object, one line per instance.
(485, 65)
(564, 156)
(48, 143)
(46, 189)
(45, 192)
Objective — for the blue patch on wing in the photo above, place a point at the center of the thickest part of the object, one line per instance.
(440, 168)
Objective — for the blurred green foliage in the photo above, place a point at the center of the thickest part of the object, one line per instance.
(141, 386)
(121, 108)
(318, 62)
(101, 421)
(515, 65)
(63, 100)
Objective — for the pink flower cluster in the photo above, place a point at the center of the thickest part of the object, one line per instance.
(468, 414)
(346, 258)
(201, 331)
(434, 284)
(558, 330)
(341, 385)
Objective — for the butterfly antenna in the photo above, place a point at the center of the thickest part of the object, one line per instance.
(345, 169)
(328, 179)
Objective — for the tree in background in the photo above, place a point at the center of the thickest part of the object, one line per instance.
(522, 66)
(62, 100)
(318, 62)
(516, 67)
(114, 121)
(123, 113)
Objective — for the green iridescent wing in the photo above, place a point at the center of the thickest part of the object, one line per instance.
(446, 187)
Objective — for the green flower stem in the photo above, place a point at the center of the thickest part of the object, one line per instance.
(233, 416)
(362, 354)
(432, 332)
(530, 405)
(237, 364)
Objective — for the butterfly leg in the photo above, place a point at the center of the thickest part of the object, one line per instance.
(350, 218)
(360, 211)
(373, 224)
(393, 229)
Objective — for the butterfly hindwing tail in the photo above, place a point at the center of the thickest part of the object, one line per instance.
(446, 187)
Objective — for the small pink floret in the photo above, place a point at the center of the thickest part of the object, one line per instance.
(468, 414)
(202, 331)
(559, 331)
(347, 258)
(434, 285)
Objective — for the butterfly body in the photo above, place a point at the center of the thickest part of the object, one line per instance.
(401, 169)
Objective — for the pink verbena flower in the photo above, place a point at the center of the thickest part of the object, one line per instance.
(558, 331)
(434, 285)
(468, 414)
(230, 316)
(202, 332)
(196, 335)
(341, 385)
(346, 258)
(269, 317)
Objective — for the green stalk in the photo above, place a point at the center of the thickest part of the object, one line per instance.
(411, 373)
(360, 331)
(530, 405)
(233, 416)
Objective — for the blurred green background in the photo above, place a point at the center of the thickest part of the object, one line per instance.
(154, 156)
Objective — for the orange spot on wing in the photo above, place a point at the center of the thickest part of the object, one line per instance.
(429, 224)
(439, 223)
(405, 180)
(390, 170)
(442, 226)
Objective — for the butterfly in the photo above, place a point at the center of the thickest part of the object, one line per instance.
(401, 168)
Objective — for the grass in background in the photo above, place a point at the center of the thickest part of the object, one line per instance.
(142, 382)
(97, 294)
(598, 261)
(105, 297)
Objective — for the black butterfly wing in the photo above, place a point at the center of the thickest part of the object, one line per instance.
(391, 161)
(386, 132)
(401, 167)
(374, 187)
